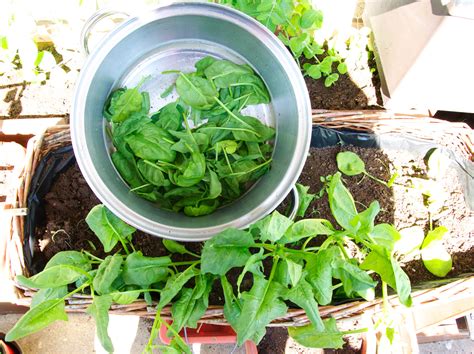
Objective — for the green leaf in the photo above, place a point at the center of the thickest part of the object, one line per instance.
(307, 228)
(123, 105)
(151, 173)
(385, 235)
(342, 68)
(174, 247)
(256, 131)
(350, 163)
(319, 270)
(354, 279)
(298, 44)
(303, 296)
(341, 202)
(197, 92)
(99, 309)
(253, 265)
(152, 143)
(326, 66)
(224, 72)
(37, 318)
(48, 294)
(380, 264)
(144, 271)
(310, 337)
(194, 171)
(305, 199)
(435, 257)
(52, 277)
(403, 283)
(314, 71)
(272, 227)
(73, 258)
(331, 79)
(107, 272)
(260, 306)
(125, 297)
(226, 250)
(311, 18)
(107, 227)
(192, 304)
(203, 64)
(169, 117)
(364, 221)
(232, 306)
(174, 284)
(295, 270)
(127, 168)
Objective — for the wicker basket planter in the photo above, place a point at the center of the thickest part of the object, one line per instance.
(459, 136)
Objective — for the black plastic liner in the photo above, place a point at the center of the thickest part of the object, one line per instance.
(59, 160)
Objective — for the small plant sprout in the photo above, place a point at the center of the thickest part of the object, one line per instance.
(351, 164)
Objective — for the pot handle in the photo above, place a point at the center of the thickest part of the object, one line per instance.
(96, 17)
(296, 203)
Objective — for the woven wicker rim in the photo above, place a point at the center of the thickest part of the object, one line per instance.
(379, 122)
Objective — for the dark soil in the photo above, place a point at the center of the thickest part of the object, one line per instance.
(358, 89)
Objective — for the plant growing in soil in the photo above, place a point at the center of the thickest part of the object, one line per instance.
(295, 23)
(194, 170)
(275, 252)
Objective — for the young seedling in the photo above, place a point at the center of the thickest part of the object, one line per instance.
(351, 164)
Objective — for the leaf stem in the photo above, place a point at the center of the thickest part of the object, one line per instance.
(306, 243)
(140, 187)
(92, 256)
(251, 170)
(355, 331)
(375, 178)
(234, 116)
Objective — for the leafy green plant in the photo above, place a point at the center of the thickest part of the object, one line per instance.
(351, 164)
(295, 23)
(296, 272)
(194, 170)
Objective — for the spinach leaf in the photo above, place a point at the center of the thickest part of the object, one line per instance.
(127, 168)
(37, 318)
(52, 277)
(99, 309)
(307, 228)
(73, 258)
(354, 279)
(107, 227)
(152, 143)
(203, 64)
(124, 102)
(435, 257)
(144, 271)
(48, 294)
(303, 296)
(169, 117)
(194, 171)
(271, 228)
(174, 284)
(227, 250)
(260, 306)
(341, 203)
(305, 199)
(151, 173)
(311, 337)
(225, 73)
(107, 272)
(319, 269)
(197, 92)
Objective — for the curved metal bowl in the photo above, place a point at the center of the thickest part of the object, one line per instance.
(174, 37)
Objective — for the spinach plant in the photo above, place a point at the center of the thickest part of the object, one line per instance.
(295, 23)
(277, 253)
(194, 170)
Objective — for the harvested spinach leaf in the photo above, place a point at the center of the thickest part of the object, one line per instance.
(199, 152)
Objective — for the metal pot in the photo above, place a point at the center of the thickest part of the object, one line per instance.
(175, 37)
